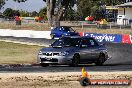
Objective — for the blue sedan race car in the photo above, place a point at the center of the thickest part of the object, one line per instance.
(63, 31)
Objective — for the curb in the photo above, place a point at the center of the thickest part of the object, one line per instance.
(18, 65)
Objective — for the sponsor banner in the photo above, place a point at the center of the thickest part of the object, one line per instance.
(126, 38)
(115, 38)
(81, 33)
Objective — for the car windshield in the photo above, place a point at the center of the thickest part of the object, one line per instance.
(66, 42)
(68, 29)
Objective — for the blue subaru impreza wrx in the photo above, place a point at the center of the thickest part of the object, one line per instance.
(62, 31)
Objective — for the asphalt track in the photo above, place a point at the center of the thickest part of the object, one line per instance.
(121, 59)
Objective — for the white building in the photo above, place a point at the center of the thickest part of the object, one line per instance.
(124, 14)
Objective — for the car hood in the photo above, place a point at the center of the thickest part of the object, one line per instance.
(60, 49)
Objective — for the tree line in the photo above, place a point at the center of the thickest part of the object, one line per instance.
(9, 12)
(58, 10)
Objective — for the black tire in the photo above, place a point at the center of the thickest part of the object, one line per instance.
(85, 81)
(100, 60)
(52, 36)
(75, 60)
(44, 65)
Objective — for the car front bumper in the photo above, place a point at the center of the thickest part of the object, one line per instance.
(54, 59)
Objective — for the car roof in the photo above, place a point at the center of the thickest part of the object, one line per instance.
(78, 36)
(63, 27)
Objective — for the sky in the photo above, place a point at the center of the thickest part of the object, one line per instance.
(29, 5)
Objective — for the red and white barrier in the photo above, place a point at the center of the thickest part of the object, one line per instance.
(81, 33)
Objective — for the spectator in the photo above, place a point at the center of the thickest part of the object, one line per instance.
(40, 19)
(18, 20)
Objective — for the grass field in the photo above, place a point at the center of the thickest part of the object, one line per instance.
(45, 27)
(25, 26)
(11, 53)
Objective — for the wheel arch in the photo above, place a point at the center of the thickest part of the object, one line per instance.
(77, 54)
(102, 53)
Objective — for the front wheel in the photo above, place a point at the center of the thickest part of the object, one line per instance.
(76, 60)
(100, 60)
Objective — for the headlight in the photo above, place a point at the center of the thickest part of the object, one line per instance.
(68, 34)
(40, 53)
(63, 53)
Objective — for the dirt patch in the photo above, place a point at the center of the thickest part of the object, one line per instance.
(57, 79)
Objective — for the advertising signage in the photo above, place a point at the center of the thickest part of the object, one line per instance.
(115, 38)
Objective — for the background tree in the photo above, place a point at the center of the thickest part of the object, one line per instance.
(2, 2)
(9, 12)
(84, 7)
(34, 13)
(43, 12)
(95, 8)
(24, 13)
(71, 15)
(56, 9)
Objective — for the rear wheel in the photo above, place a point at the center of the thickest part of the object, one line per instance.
(100, 60)
(76, 60)
(44, 65)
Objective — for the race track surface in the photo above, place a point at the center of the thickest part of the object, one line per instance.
(62, 68)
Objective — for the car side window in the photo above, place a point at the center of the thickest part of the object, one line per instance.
(92, 42)
(88, 42)
(66, 29)
(84, 43)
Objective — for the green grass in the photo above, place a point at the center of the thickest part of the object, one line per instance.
(11, 53)
(105, 31)
(25, 26)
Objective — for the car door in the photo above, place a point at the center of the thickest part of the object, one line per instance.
(60, 32)
(89, 50)
(93, 47)
(85, 53)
